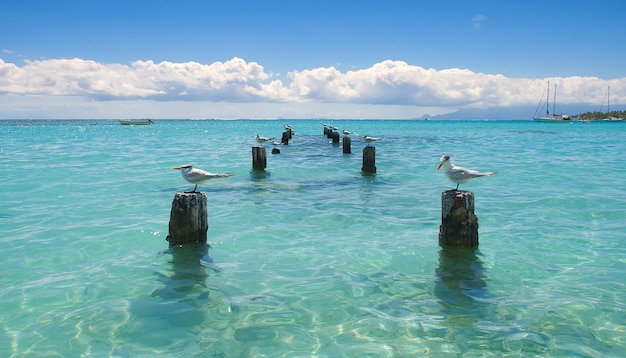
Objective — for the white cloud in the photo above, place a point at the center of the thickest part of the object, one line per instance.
(478, 20)
(388, 83)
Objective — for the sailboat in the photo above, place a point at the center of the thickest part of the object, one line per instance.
(551, 118)
(608, 107)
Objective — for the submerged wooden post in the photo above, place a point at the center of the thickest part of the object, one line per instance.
(335, 137)
(286, 137)
(369, 159)
(259, 157)
(346, 145)
(459, 225)
(188, 219)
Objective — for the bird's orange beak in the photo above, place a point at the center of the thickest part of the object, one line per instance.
(439, 167)
(176, 168)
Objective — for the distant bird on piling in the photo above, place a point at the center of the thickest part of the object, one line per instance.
(369, 139)
(459, 175)
(198, 176)
(263, 139)
(346, 132)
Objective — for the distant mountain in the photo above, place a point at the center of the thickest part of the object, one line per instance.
(510, 113)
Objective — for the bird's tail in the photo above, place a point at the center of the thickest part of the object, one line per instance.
(489, 174)
(223, 175)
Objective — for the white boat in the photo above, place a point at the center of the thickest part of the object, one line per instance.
(136, 122)
(551, 117)
(609, 117)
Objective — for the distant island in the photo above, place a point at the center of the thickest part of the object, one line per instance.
(598, 116)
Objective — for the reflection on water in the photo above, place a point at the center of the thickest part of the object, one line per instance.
(181, 301)
(461, 290)
(188, 272)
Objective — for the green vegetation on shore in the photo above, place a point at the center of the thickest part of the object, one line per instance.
(594, 116)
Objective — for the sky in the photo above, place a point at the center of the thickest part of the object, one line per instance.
(273, 59)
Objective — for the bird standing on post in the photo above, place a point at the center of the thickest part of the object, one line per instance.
(459, 175)
(198, 176)
(369, 139)
(263, 139)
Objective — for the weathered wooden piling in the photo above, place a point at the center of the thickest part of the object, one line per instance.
(335, 137)
(369, 159)
(286, 137)
(259, 158)
(459, 225)
(347, 145)
(188, 219)
(329, 134)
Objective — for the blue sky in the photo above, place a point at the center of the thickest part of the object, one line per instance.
(304, 59)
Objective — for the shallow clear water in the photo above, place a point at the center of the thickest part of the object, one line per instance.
(313, 258)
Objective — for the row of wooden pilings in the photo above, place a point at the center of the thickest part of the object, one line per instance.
(189, 220)
(369, 152)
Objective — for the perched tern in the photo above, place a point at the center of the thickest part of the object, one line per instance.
(263, 139)
(369, 139)
(459, 175)
(197, 176)
(346, 132)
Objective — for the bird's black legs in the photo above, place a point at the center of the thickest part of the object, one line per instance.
(457, 186)
(194, 189)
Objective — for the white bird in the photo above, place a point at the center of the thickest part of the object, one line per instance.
(263, 139)
(346, 132)
(197, 176)
(369, 139)
(459, 175)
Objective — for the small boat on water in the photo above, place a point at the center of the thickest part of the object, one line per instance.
(136, 122)
(609, 117)
(551, 117)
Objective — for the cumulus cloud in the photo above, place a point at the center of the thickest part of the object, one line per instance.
(237, 81)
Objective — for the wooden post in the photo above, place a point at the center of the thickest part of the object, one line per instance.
(335, 137)
(188, 219)
(346, 145)
(285, 138)
(329, 133)
(259, 157)
(459, 225)
(369, 159)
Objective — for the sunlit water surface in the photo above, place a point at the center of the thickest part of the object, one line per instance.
(312, 258)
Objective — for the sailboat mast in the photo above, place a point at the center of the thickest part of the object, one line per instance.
(548, 101)
(608, 101)
(554, 101)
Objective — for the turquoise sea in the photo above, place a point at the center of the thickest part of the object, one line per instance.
(313, 258)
